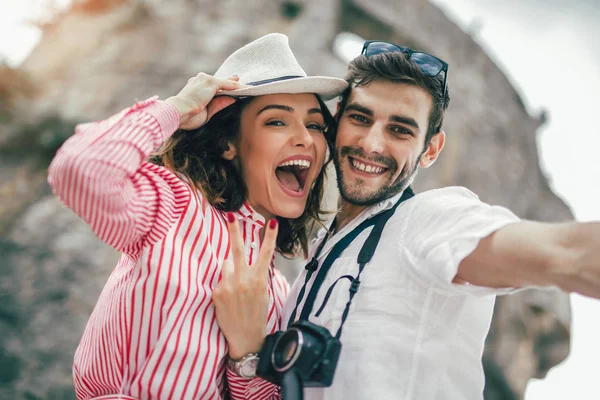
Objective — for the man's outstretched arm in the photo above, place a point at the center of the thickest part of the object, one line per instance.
(528, 253)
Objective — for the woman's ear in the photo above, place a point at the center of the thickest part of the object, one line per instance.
(230, 153)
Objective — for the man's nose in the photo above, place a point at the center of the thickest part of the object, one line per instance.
(373, 140)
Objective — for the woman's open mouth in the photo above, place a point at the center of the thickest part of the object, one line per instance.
(292, 174)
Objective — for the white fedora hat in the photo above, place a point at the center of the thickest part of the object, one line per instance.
(269, 67)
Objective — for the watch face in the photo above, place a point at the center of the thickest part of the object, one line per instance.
(248, 368)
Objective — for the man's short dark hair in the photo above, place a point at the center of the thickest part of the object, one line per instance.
(396, 67)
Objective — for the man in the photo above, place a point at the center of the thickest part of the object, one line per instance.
(421, 308)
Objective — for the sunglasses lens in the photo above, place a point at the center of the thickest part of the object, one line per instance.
(428, 64)
(374, 48)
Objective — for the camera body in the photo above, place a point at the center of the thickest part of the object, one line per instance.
(307, 348)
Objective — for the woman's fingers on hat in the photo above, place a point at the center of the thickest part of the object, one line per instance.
(217, 104)
(201, 76)
(268, 247)
(193, 100)
(237, 243)
(227, 84)
(210, 85)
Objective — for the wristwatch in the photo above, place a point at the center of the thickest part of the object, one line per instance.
(245, 366)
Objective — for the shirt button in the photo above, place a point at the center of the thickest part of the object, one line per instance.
(253, 245)
(253, 390)
(255, 217)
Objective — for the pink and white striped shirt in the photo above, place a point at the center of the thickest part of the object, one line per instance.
(153, 333)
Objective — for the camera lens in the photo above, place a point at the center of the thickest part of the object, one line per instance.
(287, 350)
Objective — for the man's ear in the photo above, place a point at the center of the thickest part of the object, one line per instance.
(230, 153)
(433, 150)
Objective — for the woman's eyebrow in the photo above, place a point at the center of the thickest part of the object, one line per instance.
(276, 107)
(288, 109)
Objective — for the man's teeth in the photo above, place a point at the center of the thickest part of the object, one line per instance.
(301, 163)
(366, 168)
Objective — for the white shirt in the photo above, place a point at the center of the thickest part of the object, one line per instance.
(410, 333)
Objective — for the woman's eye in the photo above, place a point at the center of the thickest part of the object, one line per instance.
(275, 122)
(316, 126)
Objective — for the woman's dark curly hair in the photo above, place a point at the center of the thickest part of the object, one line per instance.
(197, 155)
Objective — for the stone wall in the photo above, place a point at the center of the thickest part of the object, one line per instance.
(104, 54)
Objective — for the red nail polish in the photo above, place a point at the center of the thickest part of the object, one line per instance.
(273, 223)
(230, 217)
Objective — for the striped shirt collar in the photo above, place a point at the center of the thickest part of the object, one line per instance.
(246, 212)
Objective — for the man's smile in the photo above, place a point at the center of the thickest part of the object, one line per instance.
(365, 167)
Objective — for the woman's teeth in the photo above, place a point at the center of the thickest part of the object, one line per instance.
(370, 169)
(300, 163)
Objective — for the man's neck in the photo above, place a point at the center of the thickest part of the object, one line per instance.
(346, 214)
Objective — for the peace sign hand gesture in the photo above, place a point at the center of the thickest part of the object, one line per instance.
(241, 297)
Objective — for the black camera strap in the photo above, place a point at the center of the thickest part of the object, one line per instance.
(365, 255)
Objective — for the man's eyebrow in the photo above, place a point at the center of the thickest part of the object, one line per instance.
(360, 108)
(406, 121)
(276, 107)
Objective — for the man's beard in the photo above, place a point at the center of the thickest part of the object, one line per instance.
(358, 194)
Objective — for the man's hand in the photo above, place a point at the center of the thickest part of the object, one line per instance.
(197, 103)
(241, 297)
(579, 270)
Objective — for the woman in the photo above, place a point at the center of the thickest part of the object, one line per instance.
(153, 333)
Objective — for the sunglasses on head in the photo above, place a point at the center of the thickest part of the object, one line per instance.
(430, 65)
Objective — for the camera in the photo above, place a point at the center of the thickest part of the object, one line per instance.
(306, 349)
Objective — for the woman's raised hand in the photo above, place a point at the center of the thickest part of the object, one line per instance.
(241, 297)
(197, 103)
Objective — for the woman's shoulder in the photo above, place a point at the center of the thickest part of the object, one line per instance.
(179, 185)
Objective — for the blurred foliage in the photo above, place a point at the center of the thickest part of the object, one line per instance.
(38, 141)
(14, 85)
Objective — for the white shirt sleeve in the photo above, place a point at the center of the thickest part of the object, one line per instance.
(442, 228)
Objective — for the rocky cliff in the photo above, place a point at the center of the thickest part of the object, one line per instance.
(102, 55)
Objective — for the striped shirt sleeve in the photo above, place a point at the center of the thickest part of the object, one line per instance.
(101, 173)
(251, 389)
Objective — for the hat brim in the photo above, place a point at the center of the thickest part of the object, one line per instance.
(327, 87)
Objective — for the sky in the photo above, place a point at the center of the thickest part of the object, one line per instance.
(548, 49)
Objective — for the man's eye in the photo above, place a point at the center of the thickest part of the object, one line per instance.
(275, 122)
(398, 130)
(359, 118)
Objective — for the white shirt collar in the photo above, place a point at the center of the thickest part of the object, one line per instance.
(362, 216)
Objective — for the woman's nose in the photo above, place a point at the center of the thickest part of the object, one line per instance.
(302, 137)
